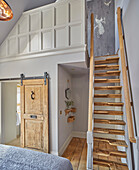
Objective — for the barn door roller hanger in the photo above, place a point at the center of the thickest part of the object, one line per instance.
(46, 76)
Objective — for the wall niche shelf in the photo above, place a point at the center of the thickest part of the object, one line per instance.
(67, 111)
(71, 119)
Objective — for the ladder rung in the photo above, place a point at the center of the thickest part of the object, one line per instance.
(108, 88)
(108, 112)
(107, 95)
(107, 121)
(108, 104)
(113, 142)
(107, 80)
(109, 131)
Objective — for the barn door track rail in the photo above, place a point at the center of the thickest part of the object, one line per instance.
(22, 77)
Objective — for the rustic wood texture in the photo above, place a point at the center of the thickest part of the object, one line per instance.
(34, 115)
(112, 142)
(108, 88)
(33, 134)
(125, 80)
(90, 109)
(107, 95)
(110, 164)
(107, 80)
(107, 73)
(101, 152)
(106, 56)
(107, 121)
(109, 131)
(108, 104)
(108, 112)
(108, 61)
(76, 152)
(34, 106)
(15, 142)
(106, 67)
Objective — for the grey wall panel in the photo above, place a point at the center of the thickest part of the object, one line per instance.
(104, 20)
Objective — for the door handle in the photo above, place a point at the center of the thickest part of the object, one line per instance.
(33, 116)
(32, 95)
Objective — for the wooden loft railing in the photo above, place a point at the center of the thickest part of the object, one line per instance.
(90, 109)
(125, 80)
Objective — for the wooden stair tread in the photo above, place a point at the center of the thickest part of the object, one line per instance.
(106, 67)
(101, 152)
(109, 131)
(108, 112)
(107, 60)
(109, 121)
(107, 95)
(107, 80)
(111, 164)
(108, 88)
(106, 56)
(107, 73)
(108, 104)
(112, 141)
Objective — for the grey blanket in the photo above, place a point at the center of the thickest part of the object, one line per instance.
(13, 158)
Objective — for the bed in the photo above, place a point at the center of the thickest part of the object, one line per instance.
(14, 158)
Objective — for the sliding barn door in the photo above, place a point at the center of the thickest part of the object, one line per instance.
(34, 115)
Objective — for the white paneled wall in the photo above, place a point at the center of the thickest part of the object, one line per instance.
(58, 26)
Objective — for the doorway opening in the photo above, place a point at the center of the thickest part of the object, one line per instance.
(73, 79)
(10, 113)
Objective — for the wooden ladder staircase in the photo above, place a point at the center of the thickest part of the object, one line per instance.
(110, 119)
(108, 134)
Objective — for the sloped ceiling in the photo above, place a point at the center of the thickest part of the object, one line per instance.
(18, 7)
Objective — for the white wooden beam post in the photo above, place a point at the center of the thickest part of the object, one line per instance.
(89, 150)
(137, 140)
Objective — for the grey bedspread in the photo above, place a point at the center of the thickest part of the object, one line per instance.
(13, 158)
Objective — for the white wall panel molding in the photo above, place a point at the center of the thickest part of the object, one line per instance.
(23, 25)
(44, 53)
(51, 28)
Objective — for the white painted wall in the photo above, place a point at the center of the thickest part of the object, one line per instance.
(58, 26)
(32, 49)
(80, 92)
(36, 67)
(9, 106)
(0, 113)
(64, 129)
(131, 25)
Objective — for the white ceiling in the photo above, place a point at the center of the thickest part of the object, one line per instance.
(18, 7)
(76, 69)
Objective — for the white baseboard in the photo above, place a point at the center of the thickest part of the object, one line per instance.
(78, 134)
(66, 143)
(64, 146)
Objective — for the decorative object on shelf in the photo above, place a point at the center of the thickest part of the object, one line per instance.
(67, 111)
(69, 103)
(71, 119)
(68, 91)
(6, 13)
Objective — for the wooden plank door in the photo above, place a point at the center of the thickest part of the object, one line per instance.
(34, 115)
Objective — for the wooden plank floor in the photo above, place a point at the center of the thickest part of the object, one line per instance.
(15, 142)
(76, 152)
